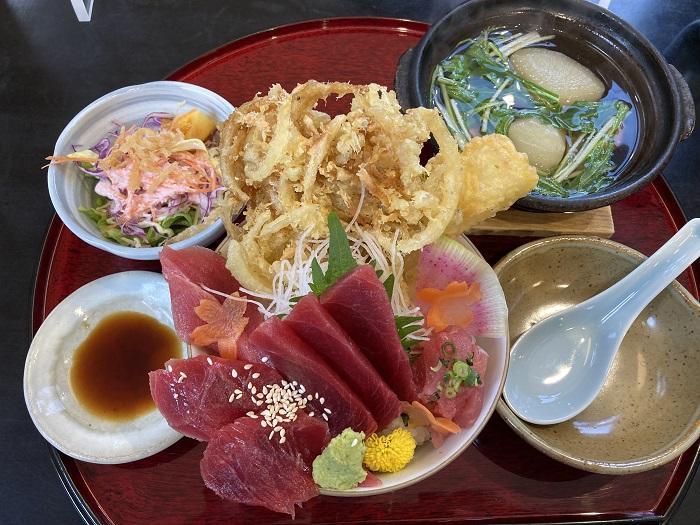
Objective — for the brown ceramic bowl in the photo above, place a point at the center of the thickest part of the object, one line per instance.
(648, 411)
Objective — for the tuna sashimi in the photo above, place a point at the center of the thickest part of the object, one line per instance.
(242, 464)
(315, 326)
(465, 407)
(200, 266)
(185, 296)
(275, 343)
(197, 398)
(186, 271)
(360, 305)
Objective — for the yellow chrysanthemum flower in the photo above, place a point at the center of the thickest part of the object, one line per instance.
(389, 453)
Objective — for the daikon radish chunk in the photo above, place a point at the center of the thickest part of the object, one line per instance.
(544, 144)
(558, 73)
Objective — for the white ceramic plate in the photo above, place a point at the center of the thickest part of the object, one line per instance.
(429, 460)
(51, 403)
(69, 189)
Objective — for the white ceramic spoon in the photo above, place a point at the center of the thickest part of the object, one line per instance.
(559, 365)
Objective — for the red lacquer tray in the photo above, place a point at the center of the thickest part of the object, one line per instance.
(498, 479)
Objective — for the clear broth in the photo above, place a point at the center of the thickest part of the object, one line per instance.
(627, 136)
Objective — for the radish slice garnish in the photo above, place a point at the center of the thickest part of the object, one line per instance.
(442, 266)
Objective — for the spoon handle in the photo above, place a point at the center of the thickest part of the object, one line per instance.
(628, 297)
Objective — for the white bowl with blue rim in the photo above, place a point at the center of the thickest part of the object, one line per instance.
(70, 190)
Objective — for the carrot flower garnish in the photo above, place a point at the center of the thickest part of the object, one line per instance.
(450, 306)
(224, 324)
(419, 414)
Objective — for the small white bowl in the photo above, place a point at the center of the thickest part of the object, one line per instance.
(51, 403)
(70, 190)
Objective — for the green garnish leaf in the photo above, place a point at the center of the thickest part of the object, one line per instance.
(406, 325)
(340, 259)
(389, 285)
(319, 284)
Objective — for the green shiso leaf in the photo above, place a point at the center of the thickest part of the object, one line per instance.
(340, 259)
(389, 286)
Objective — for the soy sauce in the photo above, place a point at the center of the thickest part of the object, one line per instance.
(109, 374)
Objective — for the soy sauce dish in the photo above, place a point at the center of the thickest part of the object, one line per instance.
(587, 97)
(86, 375)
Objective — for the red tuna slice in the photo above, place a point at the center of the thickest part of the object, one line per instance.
(465, 407)
(360, 305)
(185, 271)
(194, 395)
(284, 351)
(185, 296)
(242, 464)
(200, 266)
(314, 325)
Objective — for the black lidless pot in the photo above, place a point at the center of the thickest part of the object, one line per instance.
(593, 36)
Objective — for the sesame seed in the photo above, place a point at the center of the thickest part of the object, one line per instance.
(231, 398)
(311, 414)
(258, 403)
(326, 411)
(294, 383)
(249, 413)
(263, 423)
(272, 433)
(175, 395)
(354, 442)
(247, 366)
(234, 373)
(250, 385)
(284, 383)
(282, 439)
(277, 428)
(253, 390)
(283, 432)
(324, 416)
(237, 392)
(316, 395)
(210, 361)
(256, 375)
(309, 397)
(259, 395)
(238, 396)
(265, 359)
(169, 368)
(321, 400)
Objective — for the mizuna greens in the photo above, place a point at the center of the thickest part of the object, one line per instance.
(478, 91)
